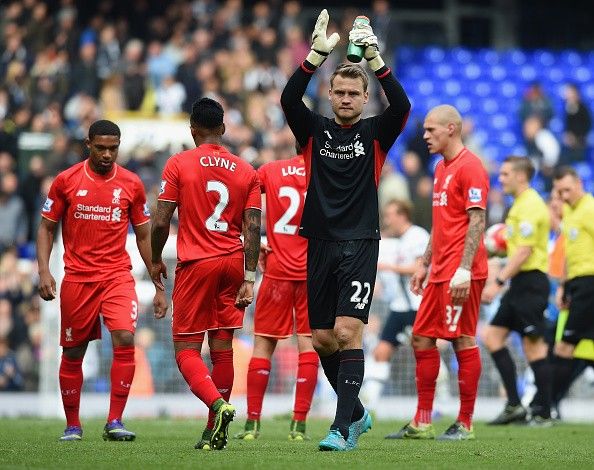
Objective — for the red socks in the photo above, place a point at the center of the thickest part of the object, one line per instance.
(222, 377)
(197, 376)
(307, 378)
(257, 381)
(426, 375)
(71, 379)
(469, 372)
(122, 373)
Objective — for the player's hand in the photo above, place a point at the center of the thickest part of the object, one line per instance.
(560, 298)
(460, 286)
(321, 45)
(160, 304)
(245, 296)
(265, 250)
(156, 270)
(490, 292)
(47, 286)
(362, 35)
(417, 280)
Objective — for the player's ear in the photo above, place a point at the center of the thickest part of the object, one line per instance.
(88, 143)
(365, 97)
(223, 129)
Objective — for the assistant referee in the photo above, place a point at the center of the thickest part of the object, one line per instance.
(523, 305)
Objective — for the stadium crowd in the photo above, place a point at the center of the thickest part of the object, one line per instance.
(61, 70)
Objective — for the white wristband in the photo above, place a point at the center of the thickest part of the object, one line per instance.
(376, 63)
(461, 276)
(249, 276)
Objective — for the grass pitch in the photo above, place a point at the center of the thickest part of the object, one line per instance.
(169, 444)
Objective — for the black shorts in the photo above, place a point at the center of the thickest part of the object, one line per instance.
(394, 330)
(340, 280)
(579, 292)
(523, 305)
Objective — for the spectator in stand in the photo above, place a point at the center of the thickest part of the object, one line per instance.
(13, 229)
(11, 379)
(536, 104)
(578, 123)
(542, 148)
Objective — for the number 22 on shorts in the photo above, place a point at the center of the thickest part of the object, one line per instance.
(453, 313)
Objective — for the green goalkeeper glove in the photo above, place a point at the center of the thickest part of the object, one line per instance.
(321, 45)
(362, 35)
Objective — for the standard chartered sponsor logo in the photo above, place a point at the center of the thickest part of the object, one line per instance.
(97, 212)
(343, 152)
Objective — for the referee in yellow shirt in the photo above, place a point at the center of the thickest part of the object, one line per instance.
(523, 305)
(577, 292)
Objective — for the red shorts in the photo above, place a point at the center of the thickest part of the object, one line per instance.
(204, 296)
(81, 303)
(438, 318)
(281, 309)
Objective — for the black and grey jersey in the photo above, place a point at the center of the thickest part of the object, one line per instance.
(343, 163)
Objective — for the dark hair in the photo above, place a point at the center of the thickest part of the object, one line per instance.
(564, 171)
(104, 127)
(403, 207)
(523, 164)
(351, 71)
(207, 113)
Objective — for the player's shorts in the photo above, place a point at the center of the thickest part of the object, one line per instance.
(438, 317)
(579, 291)
(523, 305)
(340, 280)
(394, 330)
(204, 296)
(81, 303)
(281, 309)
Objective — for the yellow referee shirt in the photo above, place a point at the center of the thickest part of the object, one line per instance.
(578, 229)
(528, 224)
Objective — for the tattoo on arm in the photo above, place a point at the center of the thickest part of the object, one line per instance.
(476, 229)
(160, 228)
(251, 238)
(428, 251)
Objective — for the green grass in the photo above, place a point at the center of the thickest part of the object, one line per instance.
(170, 444)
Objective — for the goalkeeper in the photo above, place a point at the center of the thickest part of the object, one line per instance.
(343, 160)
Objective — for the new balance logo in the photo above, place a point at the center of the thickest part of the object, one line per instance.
(359, 149)
(361, 305)
(301, 380)
(264, 372)
(116, 215)
(81, 192)
(124, 385)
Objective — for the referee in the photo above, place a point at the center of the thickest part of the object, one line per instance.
(343, 160)
(577, 293)
(523, 305)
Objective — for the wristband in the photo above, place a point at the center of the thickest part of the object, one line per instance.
(249, 276)
(461, 276)
(499, 282)
(376, 63)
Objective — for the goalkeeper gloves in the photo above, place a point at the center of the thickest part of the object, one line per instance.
(321, 45)
(362, 35)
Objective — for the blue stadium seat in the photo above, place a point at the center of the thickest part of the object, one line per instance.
(584, 169)
(570, 58)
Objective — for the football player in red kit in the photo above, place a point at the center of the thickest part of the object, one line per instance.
(217, 196)
(95, 200)
(281, 303)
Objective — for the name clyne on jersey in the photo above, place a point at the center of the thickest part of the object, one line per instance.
(218, 161)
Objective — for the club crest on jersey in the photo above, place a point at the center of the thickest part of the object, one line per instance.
(162, 188)
(573, 233)
(68, 333)
(447, 181)
(475, 195)
(116, 215)
(359, 149)
(526, 229)
(328, 134)
(116, 196)
(47, 205)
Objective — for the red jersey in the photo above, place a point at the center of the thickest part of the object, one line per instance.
(95, 211)
(459, 184)
(283, 182)
(212, 188)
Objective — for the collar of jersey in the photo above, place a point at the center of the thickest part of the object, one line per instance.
(96, 176)
(456, 158)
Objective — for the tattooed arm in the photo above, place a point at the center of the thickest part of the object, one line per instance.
(428, 251)
(476, 229)
(159, 235)
(251, 248)
(460, 282)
